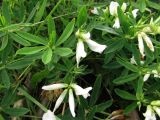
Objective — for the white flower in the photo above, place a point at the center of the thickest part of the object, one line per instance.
(80, 52)
(55, 86)
(146, 76)
(71, 103)
(95, 11)
(134, 12)
(80, 91)
(141, 45)
(148, 41)
(149, 114)
(123, 7)
(49, 116)
(142, 36)
(116, 23)
(113, 8)
(94, 46)
(113, 11)
(157, 109)
(60, 100)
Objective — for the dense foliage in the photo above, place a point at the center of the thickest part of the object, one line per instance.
(79, 59)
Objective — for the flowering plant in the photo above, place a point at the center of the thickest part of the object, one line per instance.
(79, 60)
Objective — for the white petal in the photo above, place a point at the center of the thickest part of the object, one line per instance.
(123, 7)
(133, 61)
(116, 23)
(54, 86)
(80, 91)
(49, 116)
(60, 100)
(146, 76)
(86, 35)
(134, 12)
(71, 103)
(95, 11)
(86, 93)
(113, 8)
(80, 52)
(155, 72)
(95, 46)
(149, 114)
(141, 45)
(157, 109)
(148, 41)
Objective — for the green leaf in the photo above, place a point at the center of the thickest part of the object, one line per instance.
(130, 108)
(47, 56)
(37, 77)
(4, 42)
(16, 111)
(19, 39)
(96, 90)
(14, 27)
(51, 25)
(5, 78)
(9, 98)
(139, 92)
(82, 16)
(40, 13)
(1, 117)
(30, 50)
(91, 114)
(32, 38)
(123, 20)
(141, 4)
(32, 13)
(105, 28)
(115, 45)
(19, 64)
(6, 11)
(63, 51)
(51, 31)
(153, 4)
(66, 33)
(103, 106)
(127, 65)
(125, 95)
(32, 99)
(127, 78)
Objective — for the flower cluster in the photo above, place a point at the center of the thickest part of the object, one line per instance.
(69, 88)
